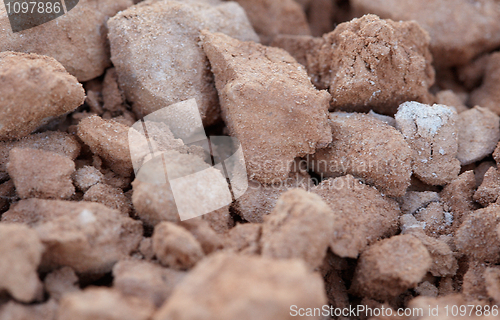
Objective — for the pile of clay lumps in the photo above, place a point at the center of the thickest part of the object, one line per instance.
(370, 135)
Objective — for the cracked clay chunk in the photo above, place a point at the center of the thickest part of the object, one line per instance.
(431, 133)
(369, 63)
(477, 237)
(155, 50)
(363, 214)
(109, 196)
(88, 237)
(176, 247)
(488, 94)
(77, 39)
(270, 18)
(34, 89)
(21, 252)
(366, 148)
(274, 123)
(41, 174)
(103, 303)
(53, 141)
(478, 134)
(459, 29)
(109, 140)
(300, 226)
(228, 286)
(391, 266)
(87, 177)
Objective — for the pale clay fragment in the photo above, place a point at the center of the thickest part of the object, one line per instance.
(300, 226)
(433, 136)
(161, 62)
(41, 174)
(34, 90)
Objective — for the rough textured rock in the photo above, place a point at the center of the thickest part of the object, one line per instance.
(458, 196)
(414, 200)
(77, 39)
(21, 251)
(109, 140)
(489, 190)
(270, 18)
(369, 63)
(435, 220)
(57, 142)
(145, 280)
(176, 247)
(488, 96)
(474, 286)
(477, 237)
(390, 266)
(368, 149)
(87, 177)
(103, 303)
(113, 198)
(112, 96)
(277, 123)
(443, 259)
(41, 174)
(363, 214)
(459, 30)
(300, 226)
(305, 50)
(34, 90)
(168, 31)
(481, 169)
(257, 295)
(431, 133)
(88, 237)
(478, 134)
